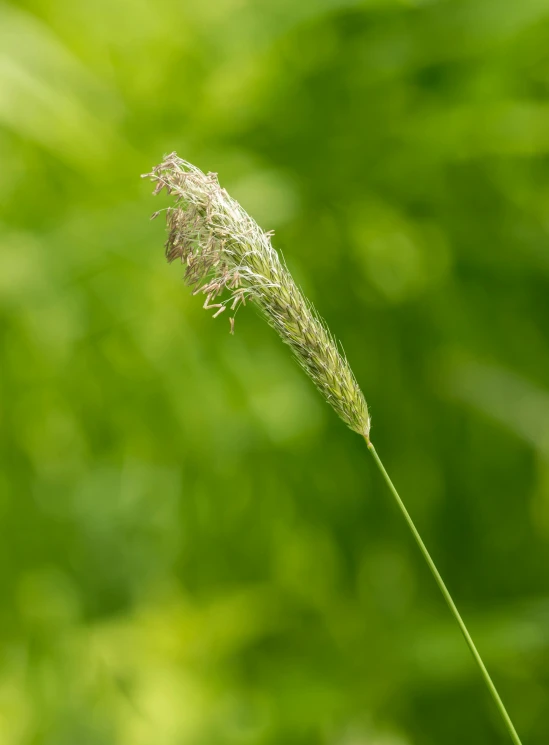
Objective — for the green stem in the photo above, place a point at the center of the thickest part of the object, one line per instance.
(442, 587)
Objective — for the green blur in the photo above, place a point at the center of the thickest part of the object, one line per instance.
(193, 549)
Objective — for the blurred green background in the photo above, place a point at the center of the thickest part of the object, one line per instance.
(193, 549)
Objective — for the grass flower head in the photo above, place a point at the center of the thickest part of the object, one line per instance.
(230, 260)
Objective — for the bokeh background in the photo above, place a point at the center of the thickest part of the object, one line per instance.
(193, 549)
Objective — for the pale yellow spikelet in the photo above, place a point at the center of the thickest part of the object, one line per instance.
(230, 260)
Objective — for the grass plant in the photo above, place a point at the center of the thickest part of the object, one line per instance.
(230, 260)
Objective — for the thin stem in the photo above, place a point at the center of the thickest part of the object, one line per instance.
(442, 587)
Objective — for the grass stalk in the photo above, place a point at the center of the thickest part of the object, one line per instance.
(230, 260)
(446, 594)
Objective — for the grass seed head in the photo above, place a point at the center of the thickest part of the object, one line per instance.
(230, 260)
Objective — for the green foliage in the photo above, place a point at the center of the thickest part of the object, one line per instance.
(194, 550)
